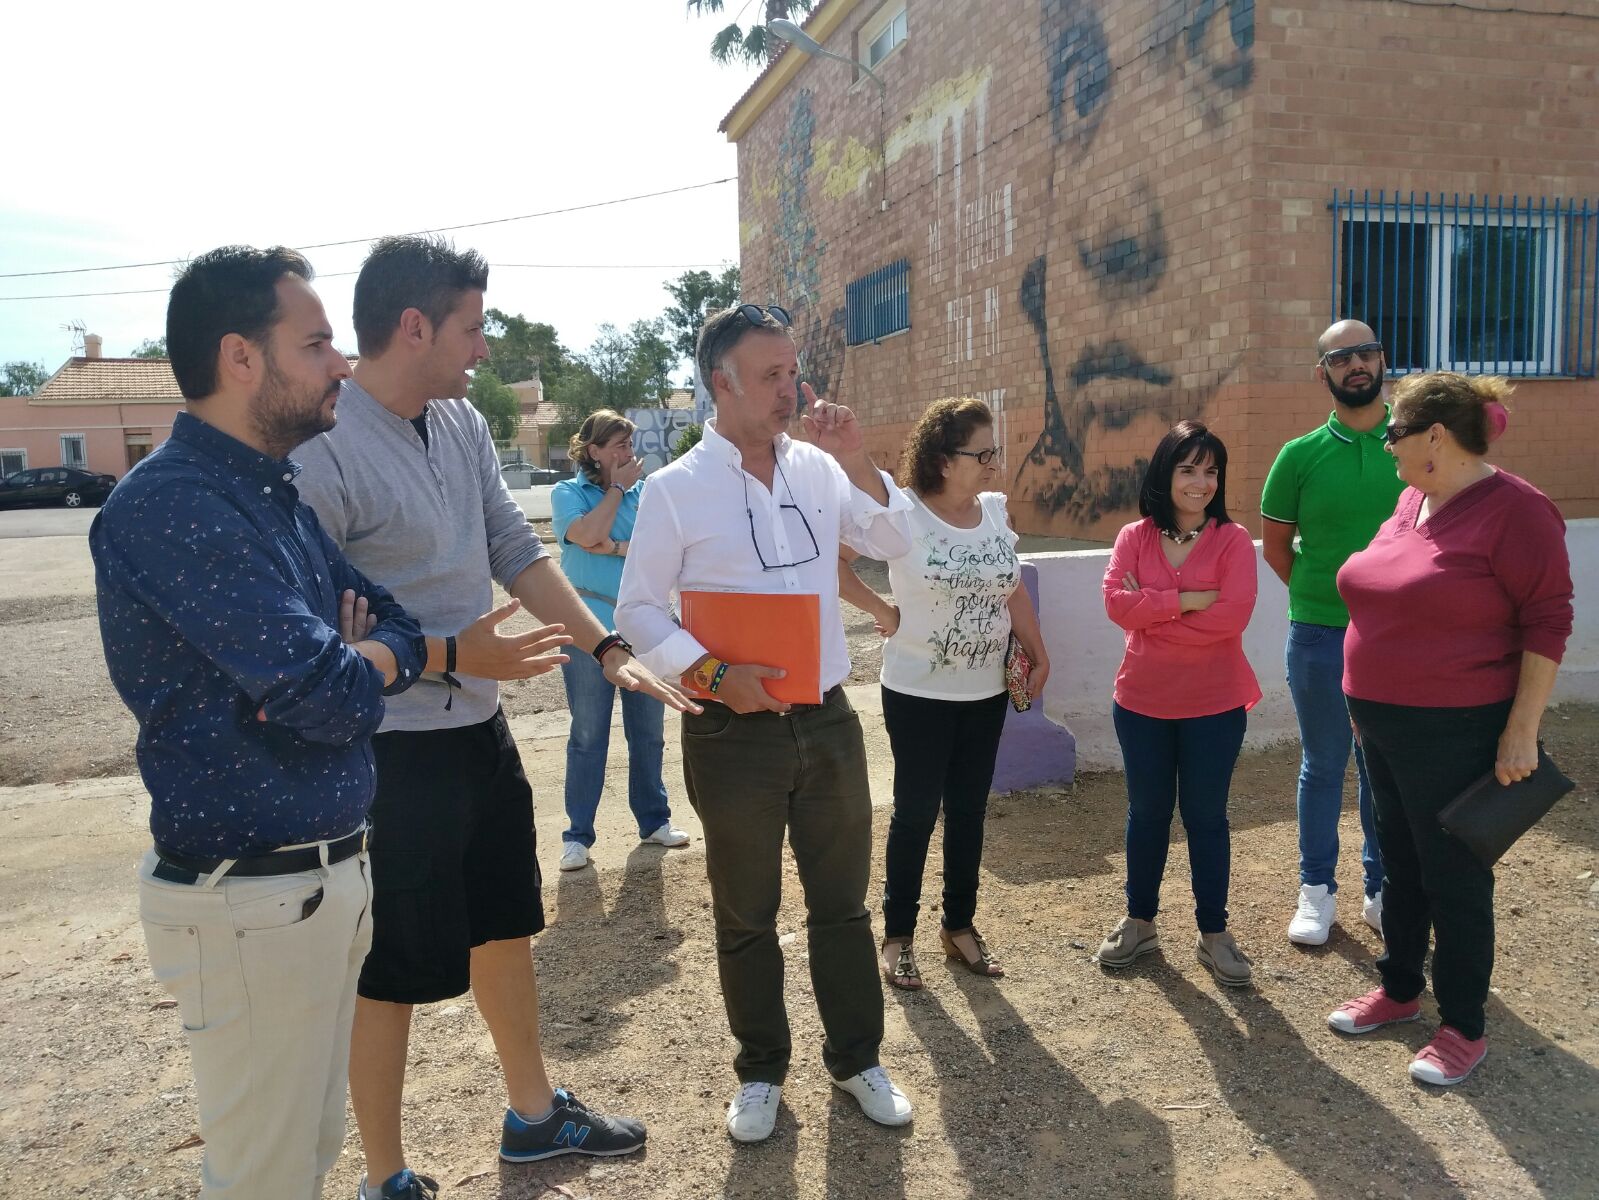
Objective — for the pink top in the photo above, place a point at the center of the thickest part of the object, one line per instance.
(1439, 616)
(1183, 664)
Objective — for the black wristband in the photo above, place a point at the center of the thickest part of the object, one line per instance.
(450, 681)
(620, 488)
(608, 643)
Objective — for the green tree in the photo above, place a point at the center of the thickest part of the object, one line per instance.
(631, 368)
(578, 394)
(695, 294)
(496, 402)
(686, 440)
(21, 378)
(520, 349)
(653, 360)
(735, 44)
(151, 348)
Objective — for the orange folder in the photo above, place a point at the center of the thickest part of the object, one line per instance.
(774, 629)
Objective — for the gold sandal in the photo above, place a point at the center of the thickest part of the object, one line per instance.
(905, 975)
(985, 963)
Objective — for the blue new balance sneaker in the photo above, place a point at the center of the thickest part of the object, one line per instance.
(569, 1129)
(406, 1185)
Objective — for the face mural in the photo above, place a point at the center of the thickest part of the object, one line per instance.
(1143, 100)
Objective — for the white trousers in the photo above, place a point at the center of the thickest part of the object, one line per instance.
(266, 991)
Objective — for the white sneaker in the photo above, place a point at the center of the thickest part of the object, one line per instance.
(878, 1097)
(753, 1112)
(667, 836)
(1371, 911)
(574, 856)
(1313, 919)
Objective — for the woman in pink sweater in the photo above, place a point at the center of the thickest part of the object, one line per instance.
(1181, 582)
(1459, 611)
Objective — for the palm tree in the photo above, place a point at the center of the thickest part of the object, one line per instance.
(736, 44)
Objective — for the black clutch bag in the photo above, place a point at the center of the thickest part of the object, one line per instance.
(1489, 816)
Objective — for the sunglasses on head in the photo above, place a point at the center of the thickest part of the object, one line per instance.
(1340, 359)
(756, 315)
(1395, 432)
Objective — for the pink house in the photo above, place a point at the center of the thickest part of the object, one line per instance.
(100, 414)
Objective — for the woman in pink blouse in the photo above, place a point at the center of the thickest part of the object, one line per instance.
(1181, 582)
(1459, 611)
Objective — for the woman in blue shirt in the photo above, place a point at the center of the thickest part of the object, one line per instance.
(593, 516)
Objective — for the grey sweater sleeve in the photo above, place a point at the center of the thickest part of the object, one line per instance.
(514, 544)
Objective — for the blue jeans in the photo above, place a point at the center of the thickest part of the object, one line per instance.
(1315, 659)
(1179, 764)
(591, 697)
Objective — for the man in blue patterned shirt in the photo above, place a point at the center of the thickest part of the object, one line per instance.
(256, 660)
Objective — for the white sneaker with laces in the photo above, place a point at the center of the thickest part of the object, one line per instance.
(1313, 919)
(753, 1112)
(1371, 911)
(574, 856)
(669, 837)
(878, 1097)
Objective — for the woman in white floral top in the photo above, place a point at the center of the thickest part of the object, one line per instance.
(957, 597)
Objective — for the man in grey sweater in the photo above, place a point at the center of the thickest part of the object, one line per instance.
(408, 484)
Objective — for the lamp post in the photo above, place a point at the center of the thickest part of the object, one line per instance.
(791, 33)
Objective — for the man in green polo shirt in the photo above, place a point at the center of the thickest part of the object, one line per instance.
(1333, 487)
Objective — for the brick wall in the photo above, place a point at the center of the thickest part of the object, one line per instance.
(1116, 216)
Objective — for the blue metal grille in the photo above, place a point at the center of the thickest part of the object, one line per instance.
(1508, 287)
(878, 304)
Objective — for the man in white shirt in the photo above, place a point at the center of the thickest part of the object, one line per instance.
(750, 510)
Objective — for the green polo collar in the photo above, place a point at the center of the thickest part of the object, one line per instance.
(1345, 434)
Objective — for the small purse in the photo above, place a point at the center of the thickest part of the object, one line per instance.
(1018, 666)
(1489, 816)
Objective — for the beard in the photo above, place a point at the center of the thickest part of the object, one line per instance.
(286, 415)
(1357, 397)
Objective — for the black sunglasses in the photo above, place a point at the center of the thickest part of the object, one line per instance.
(816, 551)
(1394, 432)
(1341, 358)
(756, 315)
(983, 457)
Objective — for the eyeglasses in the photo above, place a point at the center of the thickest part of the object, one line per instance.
(816, 551)
(983, 457)
(1365, 352)
(1394, 432)
(756, 315)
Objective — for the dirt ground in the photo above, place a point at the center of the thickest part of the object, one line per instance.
(1061, 1080)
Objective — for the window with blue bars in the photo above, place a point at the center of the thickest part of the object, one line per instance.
(878, 304)
(1497, 285)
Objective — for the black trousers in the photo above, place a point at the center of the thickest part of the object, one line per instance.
(944, 752)
(752, 779)
(1419, 759)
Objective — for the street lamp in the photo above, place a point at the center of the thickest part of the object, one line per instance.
(791, 33)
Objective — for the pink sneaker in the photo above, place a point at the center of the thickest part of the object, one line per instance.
(1448, 1058)
(1372, 1011)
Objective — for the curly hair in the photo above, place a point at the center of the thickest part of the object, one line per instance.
(1460, 403)
(598, 428)
(945, 427)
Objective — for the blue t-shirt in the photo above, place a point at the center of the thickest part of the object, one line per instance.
(596, 576)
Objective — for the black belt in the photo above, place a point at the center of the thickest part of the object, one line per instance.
(284, 862)
(805, 708)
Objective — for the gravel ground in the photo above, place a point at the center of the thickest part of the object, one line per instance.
(1061, 1080)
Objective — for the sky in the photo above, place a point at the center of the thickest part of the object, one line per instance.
(139, 133)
